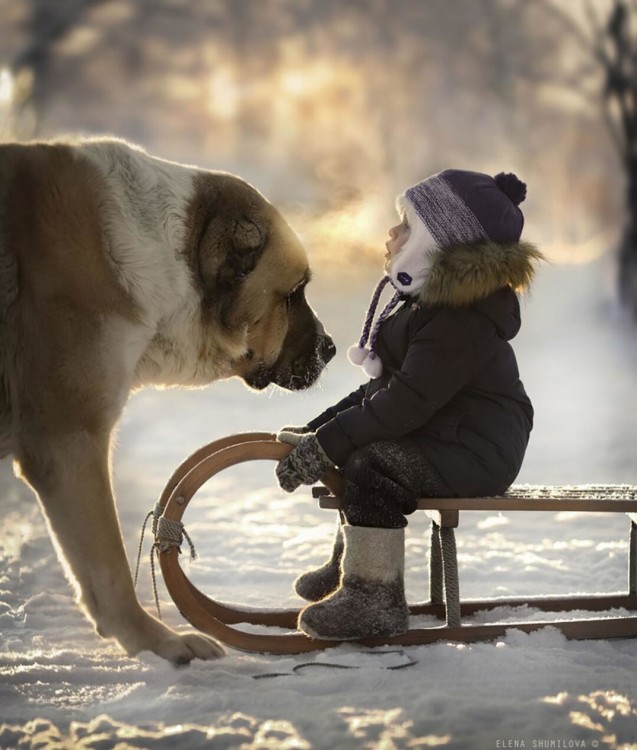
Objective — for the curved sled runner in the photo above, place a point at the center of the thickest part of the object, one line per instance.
(217, 619)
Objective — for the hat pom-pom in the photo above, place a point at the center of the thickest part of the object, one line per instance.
(512, 186)
(373, 367)
(357, 354)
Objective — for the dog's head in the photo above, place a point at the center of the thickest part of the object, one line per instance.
(252, 271)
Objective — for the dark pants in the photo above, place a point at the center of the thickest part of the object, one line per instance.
(384, 480)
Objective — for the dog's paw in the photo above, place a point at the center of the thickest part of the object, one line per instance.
(182, 649)
(179, 649)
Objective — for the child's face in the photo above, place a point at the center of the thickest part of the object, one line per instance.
(398, 235)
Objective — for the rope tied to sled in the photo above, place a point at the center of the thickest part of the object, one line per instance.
(171, 534)
(168, 534)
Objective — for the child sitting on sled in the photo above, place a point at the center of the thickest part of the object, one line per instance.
(444, 413)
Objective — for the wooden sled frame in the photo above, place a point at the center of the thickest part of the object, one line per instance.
(217, 619)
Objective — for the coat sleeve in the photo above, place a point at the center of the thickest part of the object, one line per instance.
(354, 399)
(441, 358)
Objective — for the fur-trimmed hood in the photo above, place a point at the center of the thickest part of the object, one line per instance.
(463, 274)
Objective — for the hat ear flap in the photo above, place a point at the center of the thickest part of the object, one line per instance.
(409, 268)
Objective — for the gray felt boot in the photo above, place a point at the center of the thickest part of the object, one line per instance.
(316, 584)
(371, 598)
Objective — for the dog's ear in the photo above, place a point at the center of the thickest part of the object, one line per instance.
(229, 251)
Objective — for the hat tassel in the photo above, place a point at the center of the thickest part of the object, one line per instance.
(361, 354)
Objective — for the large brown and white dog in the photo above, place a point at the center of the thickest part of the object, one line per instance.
(119, 270)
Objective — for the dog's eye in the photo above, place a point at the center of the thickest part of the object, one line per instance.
(295, 294)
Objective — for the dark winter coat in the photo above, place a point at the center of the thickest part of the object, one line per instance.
(450, 382)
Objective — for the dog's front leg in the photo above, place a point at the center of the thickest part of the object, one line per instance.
(70, 474)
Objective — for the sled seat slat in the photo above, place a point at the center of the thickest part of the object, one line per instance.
(443, 564)
(581, 498)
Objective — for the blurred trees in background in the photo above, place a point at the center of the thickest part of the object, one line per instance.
(608, 44)
(615, 48)
(332, 108)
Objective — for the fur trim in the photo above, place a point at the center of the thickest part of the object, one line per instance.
(463, 274)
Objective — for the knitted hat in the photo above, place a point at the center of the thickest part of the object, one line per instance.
(455, 207)
(449, 208)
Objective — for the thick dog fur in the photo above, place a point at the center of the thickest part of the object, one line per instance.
(119, 270)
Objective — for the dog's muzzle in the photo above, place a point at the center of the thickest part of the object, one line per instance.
(326, 348)
(300, 373)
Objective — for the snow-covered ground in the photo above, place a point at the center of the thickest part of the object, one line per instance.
(61, 686)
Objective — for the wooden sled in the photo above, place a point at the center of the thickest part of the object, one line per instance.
(217, 619)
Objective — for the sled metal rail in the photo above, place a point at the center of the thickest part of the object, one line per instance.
(219, 619)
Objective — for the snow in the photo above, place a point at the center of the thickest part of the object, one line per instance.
(61, 686)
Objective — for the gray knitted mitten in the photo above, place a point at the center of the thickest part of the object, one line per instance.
(297, 429)
(292, 434)
(305, 465)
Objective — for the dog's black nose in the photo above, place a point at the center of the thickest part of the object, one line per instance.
(326, 349)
